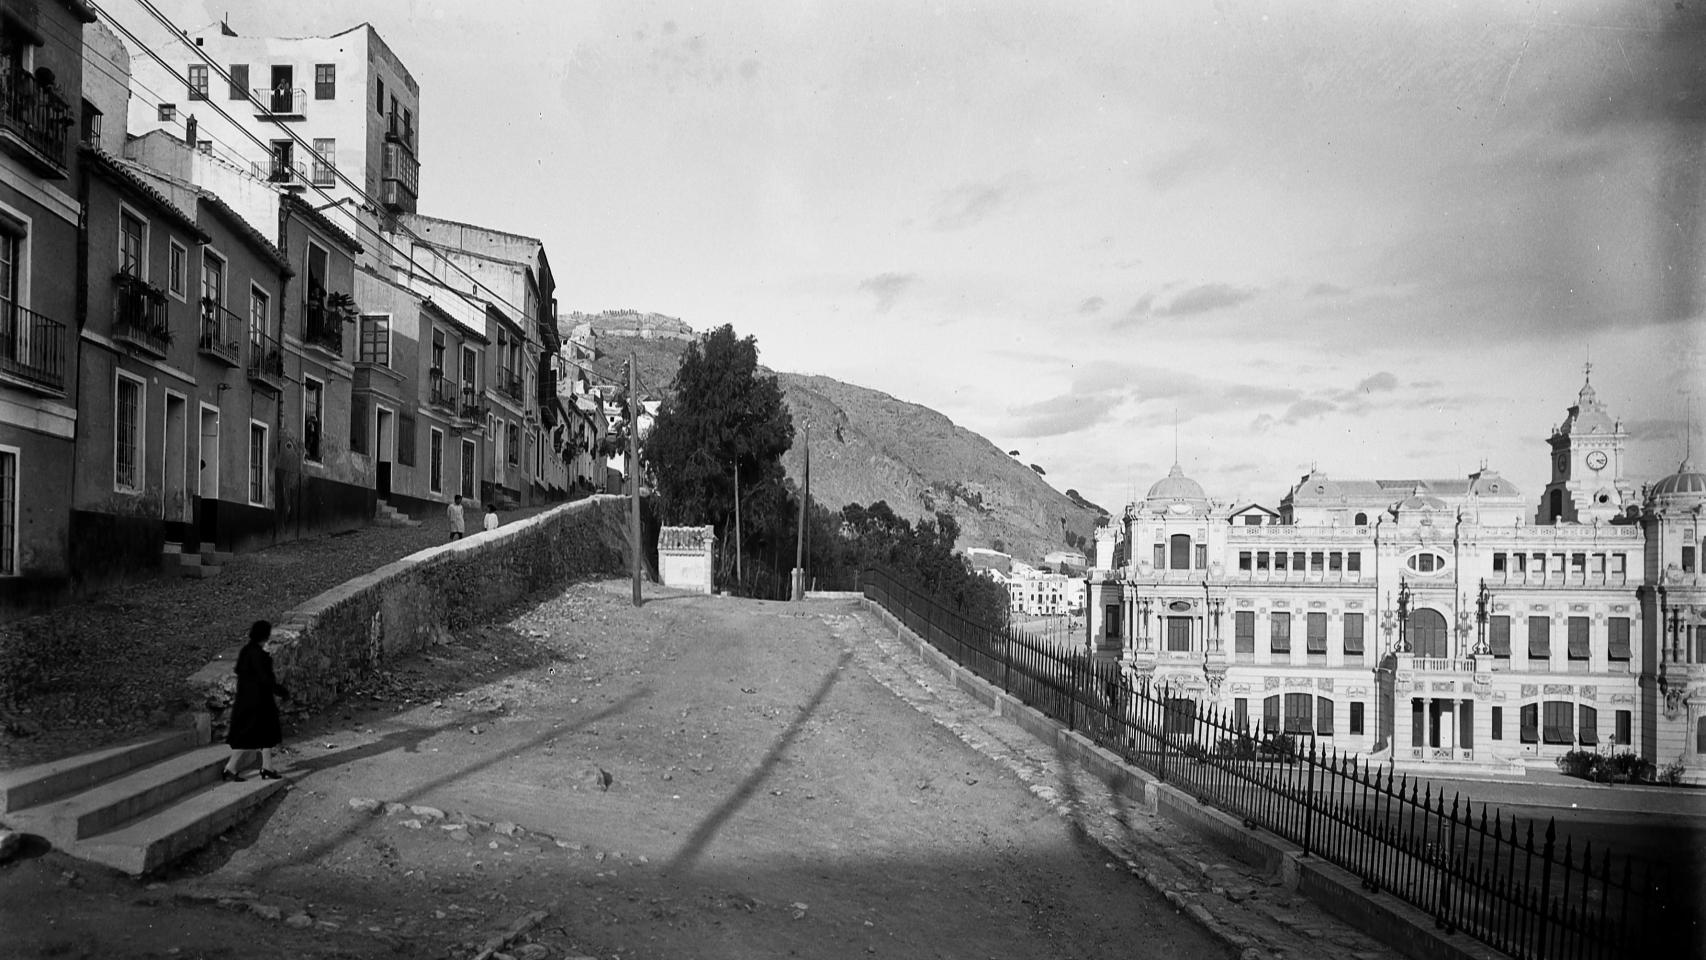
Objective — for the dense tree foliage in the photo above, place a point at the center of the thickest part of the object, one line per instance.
(720, 413)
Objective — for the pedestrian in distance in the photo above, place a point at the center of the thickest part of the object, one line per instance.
(491, 517)
(454, 512)
(254, 715)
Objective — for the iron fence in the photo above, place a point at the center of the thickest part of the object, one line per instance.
(1473, 869)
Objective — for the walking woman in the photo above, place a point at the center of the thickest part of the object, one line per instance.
(254, 715)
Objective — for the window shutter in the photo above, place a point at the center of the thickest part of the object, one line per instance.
(1539, 637)
(1271, 714)
(1324, 716)
(1578, 638)
(1280, 626)
(1244, 631)
(406, 440)
(1499, 636)
(1353, 634)
(1530, 722)
(358, 424)
(1618, 629)
(1317, 639)
(1589, 725)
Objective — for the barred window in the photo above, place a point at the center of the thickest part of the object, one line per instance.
(257, 464)
(127, 434)
(8, 513)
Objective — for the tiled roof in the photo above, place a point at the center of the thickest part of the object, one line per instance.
(103, 162)
(684, 538)
(259, 239)
(320, 220)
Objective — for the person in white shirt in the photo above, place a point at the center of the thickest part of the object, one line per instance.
(454, 514)
(491, 518)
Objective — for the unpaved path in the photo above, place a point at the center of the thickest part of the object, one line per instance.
(770, 794)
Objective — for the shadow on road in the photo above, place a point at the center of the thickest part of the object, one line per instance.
(707, 829)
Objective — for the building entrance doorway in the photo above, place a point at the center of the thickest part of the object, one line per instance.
(1428, 636)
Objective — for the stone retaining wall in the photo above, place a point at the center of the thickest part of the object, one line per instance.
(324, 645)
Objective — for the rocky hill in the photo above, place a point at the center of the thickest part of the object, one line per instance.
(869, 446)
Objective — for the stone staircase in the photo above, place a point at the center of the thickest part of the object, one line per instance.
(135, 807)
(198, 565)
(389, 516)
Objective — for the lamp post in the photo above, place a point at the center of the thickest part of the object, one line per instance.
(1483, 600)
(1403, 617)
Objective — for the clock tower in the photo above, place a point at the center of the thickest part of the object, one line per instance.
(1587, 483)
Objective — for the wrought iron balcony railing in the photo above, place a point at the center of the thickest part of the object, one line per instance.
(36, 115)
(221, 333)
(139, 314)
(278, 171)
(441, 392)
(323, 327)
(266, 360)
(32, 347)
(281, 102)
(474, 405)
(509, 384)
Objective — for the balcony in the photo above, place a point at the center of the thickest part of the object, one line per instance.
(399, 129)
(441, 392)
(323, 327)
(32, 348)
(276, 170)
(266, 361)
(280, 104)
(400, 175)
(509, 384)
(139, 314)
(35, 122)
(474, 404)
(220, 334)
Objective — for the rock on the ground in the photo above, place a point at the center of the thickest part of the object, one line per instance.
(365, 804)
(10, 841)
(532, 951)
(299, 920)
(429, 814)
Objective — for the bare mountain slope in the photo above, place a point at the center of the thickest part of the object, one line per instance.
(868, 446)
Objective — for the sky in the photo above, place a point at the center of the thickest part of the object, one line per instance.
(1378, 239)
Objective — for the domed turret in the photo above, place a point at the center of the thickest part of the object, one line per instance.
(1176, 486)
(1683, 490)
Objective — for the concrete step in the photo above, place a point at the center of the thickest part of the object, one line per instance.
(199, 572)
(157, 839)
(171, 550)
(189, 559)
(216, 558)
(131, 795)
(43, 782)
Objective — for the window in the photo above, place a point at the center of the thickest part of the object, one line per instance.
(376, 340)
(1299, 712)
(1356, 717)
(1530, 723)
(379, 97)
(1244, 631)
(260, 317)
(1498, 723)
(1297, 560)
(406, 439)
(1353, 561)
(1578, 564)
(1179, 633)
(1279, 560)
(1539, 638)
(325, 161)
(1353, 635)
(1324, 716)
(1700, 736)
(1111, 621)
(1263, 560)
(127, 433)
(257, 463)
(1619, 565)
(1317, 633)
(213, 279)
(435, 461)
(438, 351)
(1243, 559)
(468, 468)
(168, 112)
(1499, 636)
(132, 245)
(1466, 723)
(408, 126)
(470, 368)
(1623, 727)
(1179, 552)
(8, 513)
(514, 442)
(313, 397)
(1588, 735)
(239, 82)
(1241, 713)
(325, 81)
(1426, 562)
(1598, 568)
(1428, 635)
(1161, 556)
(1498, 563)
(1202, 556)
(1335, 561)
(1279, 632)
(1271, 714)
(1361, 520)
(1315, 560)
(1518, 564)
(1578, 638)
(1179, 716)
(1558, 721)
(1688, 559)
(177, 270)
(197, 76)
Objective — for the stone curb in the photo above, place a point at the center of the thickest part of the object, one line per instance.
(1339, 893)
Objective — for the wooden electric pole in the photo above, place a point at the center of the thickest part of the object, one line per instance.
(738, 578)
(634, 469)
(800, 538)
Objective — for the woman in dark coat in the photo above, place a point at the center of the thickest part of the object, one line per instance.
(254, 715)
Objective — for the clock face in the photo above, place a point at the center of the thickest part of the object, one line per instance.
(1596, 460)
(1563, 462)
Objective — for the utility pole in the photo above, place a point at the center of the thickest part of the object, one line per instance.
(738, 578)
(634, 469)
(800, 534)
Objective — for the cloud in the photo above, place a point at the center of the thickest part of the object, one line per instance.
(1203, 298)
(971, 203)
(1092, 305)
(1067, 413)
(888, 288)
(1382, 382)
(1326, 290)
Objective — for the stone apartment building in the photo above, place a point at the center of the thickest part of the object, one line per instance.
(1440, 624)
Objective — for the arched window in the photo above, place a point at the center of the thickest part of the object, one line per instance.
(1362, 520)
(1427, 634)
(1179, 552)
(1556, 509)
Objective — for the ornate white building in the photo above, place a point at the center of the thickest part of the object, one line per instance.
(1438, 623)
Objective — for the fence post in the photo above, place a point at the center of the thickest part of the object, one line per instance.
(1309, 803)
(1165, 707)
(1545, 906)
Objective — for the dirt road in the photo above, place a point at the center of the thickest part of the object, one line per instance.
(702, 777)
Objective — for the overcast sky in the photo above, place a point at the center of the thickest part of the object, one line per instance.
(1382, 238)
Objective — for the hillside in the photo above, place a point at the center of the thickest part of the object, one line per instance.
(869, 446)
